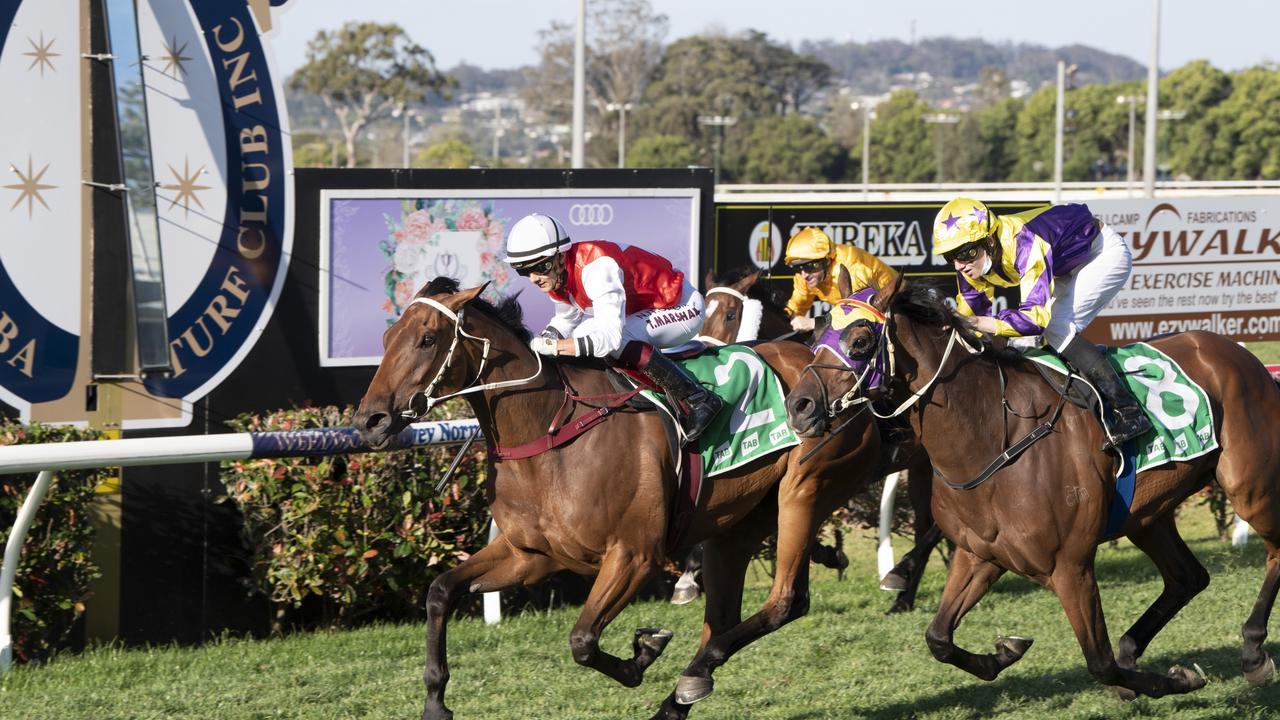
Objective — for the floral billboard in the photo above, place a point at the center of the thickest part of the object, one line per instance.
(379, 247)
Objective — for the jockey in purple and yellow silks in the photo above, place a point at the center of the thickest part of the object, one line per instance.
(818, 263)
(1067, 266)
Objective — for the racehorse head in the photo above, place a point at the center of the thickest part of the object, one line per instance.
(443, 344)
(740, 309)
(849, 364)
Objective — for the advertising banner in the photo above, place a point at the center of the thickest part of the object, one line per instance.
(379, 247)
(1198, 264)
(900, 234)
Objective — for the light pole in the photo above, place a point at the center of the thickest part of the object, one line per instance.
(1060, 113)
(940, 119)
(1149, 132)
(621, 109)
(867, 116)
(579, 87)
(1133, 132)
(403, 112)
(719, 122)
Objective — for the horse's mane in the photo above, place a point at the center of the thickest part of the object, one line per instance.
(508, 312)
(762, 291)
(926, 306)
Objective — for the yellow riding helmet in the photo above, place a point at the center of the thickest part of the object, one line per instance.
(960, 222)
(808, 244)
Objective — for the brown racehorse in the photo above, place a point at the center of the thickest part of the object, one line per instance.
(1043, 514)
(599, 504)
(728, 307)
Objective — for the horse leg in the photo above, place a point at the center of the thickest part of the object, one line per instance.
(968, 580)
(622, 573)
(905, 576)
(687, 588)
(724, 569)
(788, 599)
(495, 567)
(1077, 590)
(1258, 667)
(1184, 578)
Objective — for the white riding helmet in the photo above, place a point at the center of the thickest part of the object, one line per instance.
(535, 236)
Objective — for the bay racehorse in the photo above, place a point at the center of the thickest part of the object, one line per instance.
(599, 504)
(740, 309)
(1043, 513)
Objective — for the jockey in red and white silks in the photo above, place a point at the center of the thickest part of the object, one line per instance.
(617, 303)
(612, 295)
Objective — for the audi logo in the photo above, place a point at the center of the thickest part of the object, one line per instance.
(591, 214)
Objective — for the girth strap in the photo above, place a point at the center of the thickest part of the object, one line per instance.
(558, 434)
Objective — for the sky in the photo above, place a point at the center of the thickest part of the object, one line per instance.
(497, 34)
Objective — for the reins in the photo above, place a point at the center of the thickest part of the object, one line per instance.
(458, 334)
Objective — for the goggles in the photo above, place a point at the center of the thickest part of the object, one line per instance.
(810, 266)
(963, 254)
(541, 267)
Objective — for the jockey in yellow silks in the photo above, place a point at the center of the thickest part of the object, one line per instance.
(819, 263)
(1067, 266)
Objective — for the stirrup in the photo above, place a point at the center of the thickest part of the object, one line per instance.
(1123, 428)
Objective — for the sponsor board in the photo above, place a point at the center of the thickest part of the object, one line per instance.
(378, 247)
(900, 234)
(221, 160)
(1198, 264)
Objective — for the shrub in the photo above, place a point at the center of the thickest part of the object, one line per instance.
(52, 581)
(364, 534)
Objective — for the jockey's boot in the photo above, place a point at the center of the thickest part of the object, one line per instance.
(696, 406)
(1122, 414)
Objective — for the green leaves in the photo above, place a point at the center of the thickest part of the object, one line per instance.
(354, 536)
(54, 573)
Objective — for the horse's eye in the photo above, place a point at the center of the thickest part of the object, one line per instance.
(731, 316)
(427, 340)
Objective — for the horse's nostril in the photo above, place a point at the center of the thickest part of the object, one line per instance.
(376, 420)
(803, 406)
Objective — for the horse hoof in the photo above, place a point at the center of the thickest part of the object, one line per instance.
(684, 595)
(893, 582)
(690, 690)
(1261, 675)
(1012, 646)
(654, 639)
(1192, 679)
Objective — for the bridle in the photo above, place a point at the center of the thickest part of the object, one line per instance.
(884, 354)
(751, 313)
(458, 334)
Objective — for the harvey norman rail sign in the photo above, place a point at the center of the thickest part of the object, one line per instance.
(1198, 264)
(221, 159)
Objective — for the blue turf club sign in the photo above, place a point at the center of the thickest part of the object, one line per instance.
(224, 199)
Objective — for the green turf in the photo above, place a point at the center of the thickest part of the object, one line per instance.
(846, 659)
(1267, 352)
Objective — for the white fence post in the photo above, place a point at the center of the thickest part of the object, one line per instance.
(12, 553)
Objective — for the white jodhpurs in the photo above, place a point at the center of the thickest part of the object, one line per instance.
(1080, 296)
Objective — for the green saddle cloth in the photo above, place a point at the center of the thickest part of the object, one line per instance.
(753, 422)
(1180, 413)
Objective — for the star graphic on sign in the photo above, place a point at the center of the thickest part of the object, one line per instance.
(30, 187)
(173, 58)
(41, 52)
(186, 186)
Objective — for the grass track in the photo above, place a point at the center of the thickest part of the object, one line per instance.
(844, 660)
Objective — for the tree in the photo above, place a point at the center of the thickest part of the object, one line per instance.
(1245, 128)
(451, 152)
(791, 149)
(658, 151)
(724, 75)
(624, 42)
(363, 71)
(1196, 89)
(902, 148)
